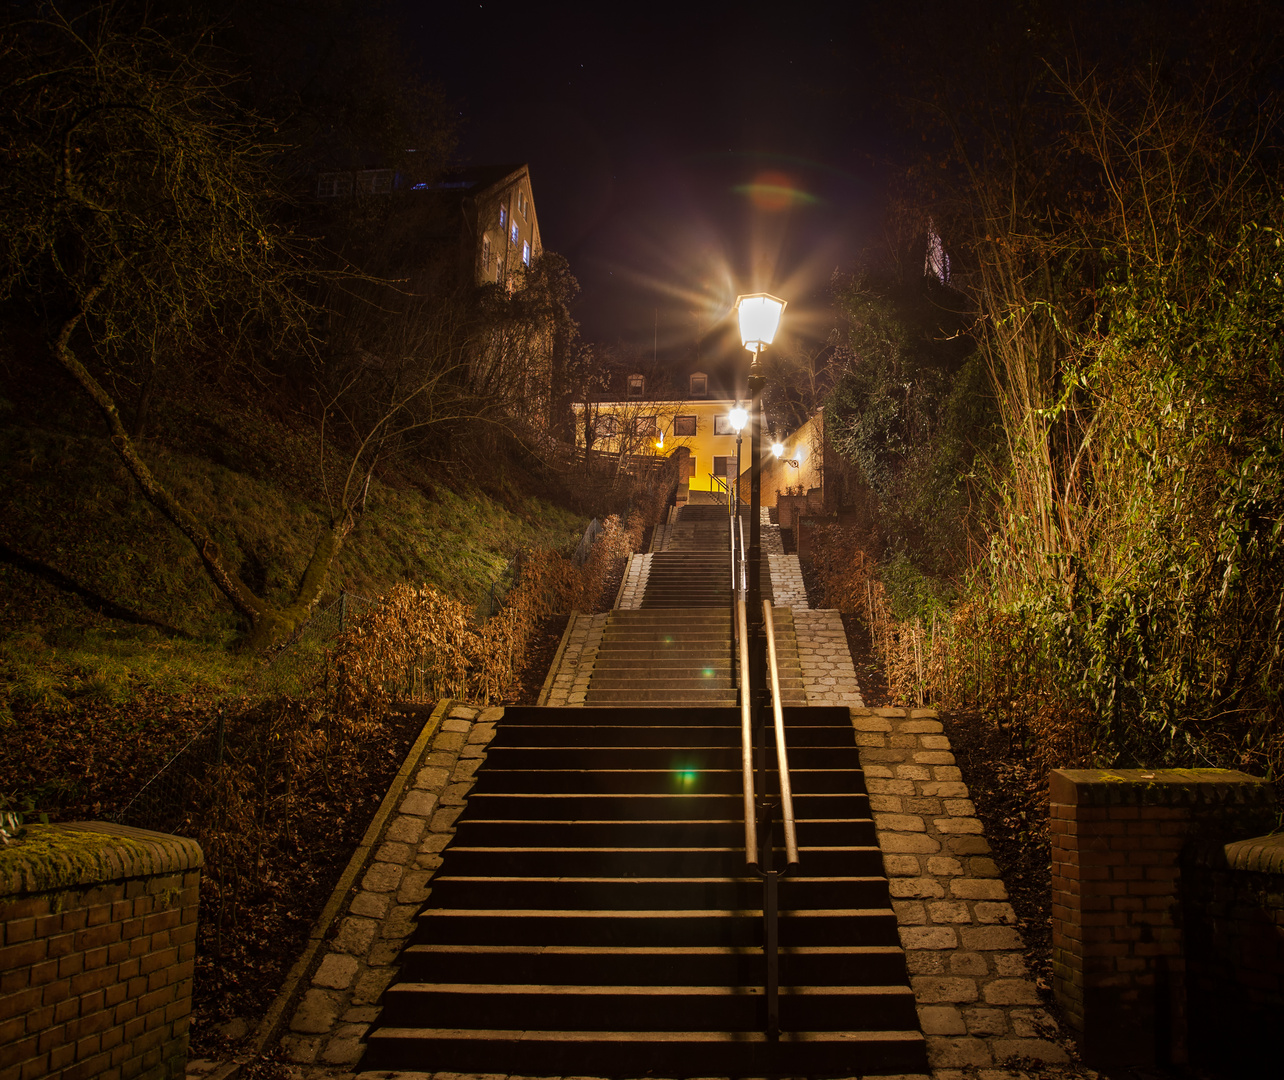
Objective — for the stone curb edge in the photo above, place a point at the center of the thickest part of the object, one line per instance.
(619, 593)
(277, 1012)
(551, 678)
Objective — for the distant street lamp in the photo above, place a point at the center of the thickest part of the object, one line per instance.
(738, 417)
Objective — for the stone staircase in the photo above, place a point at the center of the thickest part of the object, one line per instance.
(592, 916)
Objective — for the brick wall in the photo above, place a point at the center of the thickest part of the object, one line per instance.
(1119, 840)
(97, 946)
(1233, 905)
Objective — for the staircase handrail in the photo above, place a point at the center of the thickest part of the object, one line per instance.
(746, 737)
(782, 754)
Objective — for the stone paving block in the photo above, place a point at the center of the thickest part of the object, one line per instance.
(905, 843)
(1035, 1049)
(481, 733)
(987, 912)
(923, 888)
(960, 808)
(465, 769)
(949, 774)
(336, 972)
(301, 1049)
(928, 937)
(969, 845)
(381, 954)
(383, 877)
(490, 715)
(871, 723)
(874, 784)
(1010, 992)
(361, 1014)
(901, 865)
(913, 772)
(982, 867)
(455, 794)
(316, 1013)
(946, 789)
(909, 912)
(371, 905)
(419, 803)
(444, 819)
(967, 963)
(890, 804)
(987, 938)
(433, 778)
(955, 825)
(406, 829)
(1010, 964)
(1032, 1023)
(449, 740)
(463, 712)
(456, 723)
(926, 961)
(441, 759)
(393, 852)
(400, 922)
(434, 842)
(979, 889)
(899, 823)
(985, 1021)
(355, 935)
(948, 911)
(941, 1020)
(944, 866)
(431, 862)
(414, 887)
(342, 1051)
(958, 1050)
(877, 772)
(931, 989)
(473, 751)
(372, 984)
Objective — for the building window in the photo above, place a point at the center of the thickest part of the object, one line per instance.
(722, 426)
(636, 384)
(723, 466)
(334, 185)
(486, 252)
(375, 181)
(604, 427)
(684, 425)
(526, 253)
(503, 215)
(645, 427)
(699, 385)
(521, 202)
(513, 233)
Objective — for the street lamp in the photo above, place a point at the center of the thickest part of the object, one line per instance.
(759, 315)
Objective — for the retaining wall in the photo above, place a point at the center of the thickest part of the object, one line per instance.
(97, 948)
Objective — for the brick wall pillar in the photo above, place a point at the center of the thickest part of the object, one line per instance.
(1118, 839)
(97, 949)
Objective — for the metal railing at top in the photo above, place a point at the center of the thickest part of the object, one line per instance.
(760, 810)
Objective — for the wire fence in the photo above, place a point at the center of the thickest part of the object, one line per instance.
(161, 803)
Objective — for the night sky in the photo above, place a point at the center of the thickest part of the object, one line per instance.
(678, 157)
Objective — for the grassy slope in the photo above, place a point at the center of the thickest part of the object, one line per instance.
(254, 479)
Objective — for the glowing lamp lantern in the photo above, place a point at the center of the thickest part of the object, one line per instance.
(738, 417)
(759, 315)
(778, 449)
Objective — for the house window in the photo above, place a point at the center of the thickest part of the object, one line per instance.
(334, 185)
(521, 202)
(375, 181)
(699, 385)
(604, 427)
(723, 466)
(513, 233)
(486, 252)
(526, 253)
(503, 215)
(722, 426)
(645, 427)
(684, 425)
(636, 384)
